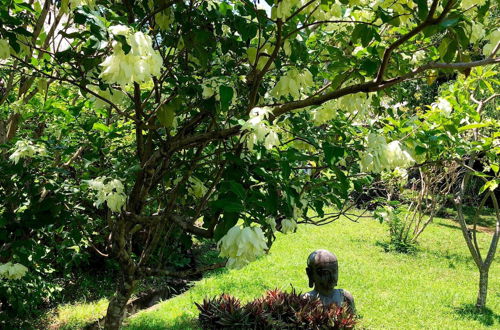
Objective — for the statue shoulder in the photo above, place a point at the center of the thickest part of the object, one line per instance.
(348, 296)
(349, 300)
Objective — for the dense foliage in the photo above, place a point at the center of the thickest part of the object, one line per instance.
(132, 128)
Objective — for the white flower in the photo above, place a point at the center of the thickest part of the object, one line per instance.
(325, 112)
(109, 191)
(288, 226)
(444, 106)
(139, 65)
(380, 156)
(293, 83)
(271, 140)
(396, 156)
(4, 49)
(119, 30)
(12, 271)
(26, 149)
(272, 223)
(242, 245)
(258, 130)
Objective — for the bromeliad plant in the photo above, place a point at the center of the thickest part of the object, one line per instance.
(275, 310)
(215, 114)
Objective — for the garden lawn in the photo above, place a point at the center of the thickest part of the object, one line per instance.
(435, 288)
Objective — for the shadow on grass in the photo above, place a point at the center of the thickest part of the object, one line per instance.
(486, 218)
(485, 316)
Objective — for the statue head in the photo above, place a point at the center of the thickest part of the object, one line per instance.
(322, 270)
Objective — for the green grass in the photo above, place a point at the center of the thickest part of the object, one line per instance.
(434, 288)
(77, 316)
(431, 289)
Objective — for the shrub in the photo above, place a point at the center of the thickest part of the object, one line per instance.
(275, 310)
(400, 230)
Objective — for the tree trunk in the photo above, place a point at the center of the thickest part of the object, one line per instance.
(483, 288)
(117, 304)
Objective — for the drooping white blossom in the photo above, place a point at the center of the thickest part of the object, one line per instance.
(12, 271)
(138, 65)
(26, 149)
(293, 83)
(258, 130)
(288, 226)
(382, 156)
(110, 191)
(444, 106)
(326, 112)
(242, 245)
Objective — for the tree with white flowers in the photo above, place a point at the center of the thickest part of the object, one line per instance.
(206, 118)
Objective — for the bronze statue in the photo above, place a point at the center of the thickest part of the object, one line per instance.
(322, 270)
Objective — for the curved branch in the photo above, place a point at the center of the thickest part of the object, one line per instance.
(430, 20)
(374, 86)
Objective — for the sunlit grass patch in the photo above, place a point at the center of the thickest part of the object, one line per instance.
(79, 315)
(423, 290)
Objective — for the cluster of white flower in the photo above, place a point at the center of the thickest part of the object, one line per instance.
(26, 149)
(326, 112)
(380, 156)
(444, 106)
(111, 192)
(4, 49)
(242, 245)
(293, 83)
(284, 8)
(12, 271)
(288, 226)
(139, 65)
(264, 52)
(357, 104)
(258, 130)
(493, 40)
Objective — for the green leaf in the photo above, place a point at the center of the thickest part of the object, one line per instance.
(422, 9)
(420, 150)
(101, 127)
(226, 96)
(450, 20)
(166, 114)
(473, 126)
(491, 185)
(495, 168)
(228, 221)
(332, 153)
(237, 188)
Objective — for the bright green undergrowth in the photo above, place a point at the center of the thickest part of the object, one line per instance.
(434, 288)
(431, 289)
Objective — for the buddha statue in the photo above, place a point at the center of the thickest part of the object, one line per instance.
(322, 270)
